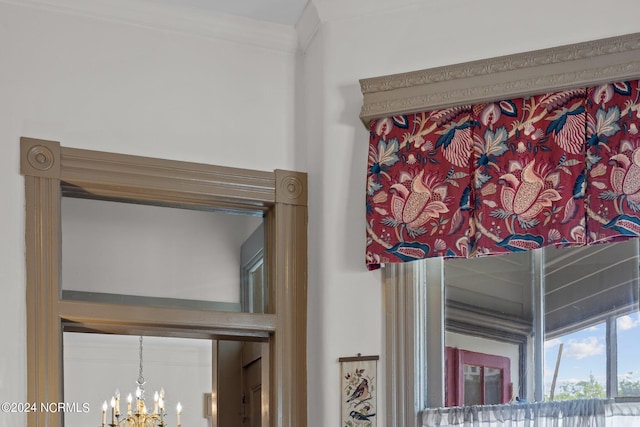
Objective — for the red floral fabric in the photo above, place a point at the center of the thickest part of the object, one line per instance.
(558, 169)
(528, 154)
(613, 162)
(418, 186)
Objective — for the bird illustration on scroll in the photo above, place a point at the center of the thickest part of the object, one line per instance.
(359, 393)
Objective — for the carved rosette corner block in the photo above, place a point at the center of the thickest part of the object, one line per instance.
(39, 157)
(291, 187)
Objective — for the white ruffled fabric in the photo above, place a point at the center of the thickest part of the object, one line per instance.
(570, 413)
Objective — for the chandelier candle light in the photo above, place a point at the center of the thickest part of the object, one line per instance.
(140, 417)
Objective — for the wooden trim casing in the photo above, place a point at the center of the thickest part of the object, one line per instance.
(94, 174)
(52, 171)
(44, 330)
(530, 73)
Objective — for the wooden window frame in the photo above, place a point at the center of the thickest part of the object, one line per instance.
(457, 358)
(51, 171)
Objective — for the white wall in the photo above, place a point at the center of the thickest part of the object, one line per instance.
(104, 85)
(153, 251)
(98, 84)
(346, 317)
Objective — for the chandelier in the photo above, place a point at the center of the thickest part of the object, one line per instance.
(138, 415)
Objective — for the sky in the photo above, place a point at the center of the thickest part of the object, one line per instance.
(584, 352)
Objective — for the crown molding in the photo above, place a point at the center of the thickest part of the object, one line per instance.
(308, 26)
(582, 64)
(318, 12)
(142, 13)
(334, 10)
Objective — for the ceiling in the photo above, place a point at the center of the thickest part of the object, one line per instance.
(284, 12)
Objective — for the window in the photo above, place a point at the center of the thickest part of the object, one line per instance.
(576, 364)
(414, 292)
(628, 340)
(587, 291)
(594, 362)
(582, 292)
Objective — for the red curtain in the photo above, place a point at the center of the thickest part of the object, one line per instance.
(559, 169)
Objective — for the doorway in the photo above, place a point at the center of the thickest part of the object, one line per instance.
(52, 171)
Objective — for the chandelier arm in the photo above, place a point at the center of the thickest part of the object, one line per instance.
(141, 381)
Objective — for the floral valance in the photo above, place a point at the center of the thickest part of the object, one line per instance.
(559, 169)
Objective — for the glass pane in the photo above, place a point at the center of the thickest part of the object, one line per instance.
(628, 331)
(585, 286)
(582, 366)
(472, 385)
(151, 255)
(489, 310)
(252, 273)
(256, 284)
(95, 365)
(492, 386)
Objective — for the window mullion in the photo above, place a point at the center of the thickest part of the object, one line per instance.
(612, 357)
(434, 311)
(538, 289)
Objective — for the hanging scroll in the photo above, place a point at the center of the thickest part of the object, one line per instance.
(359, 391)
